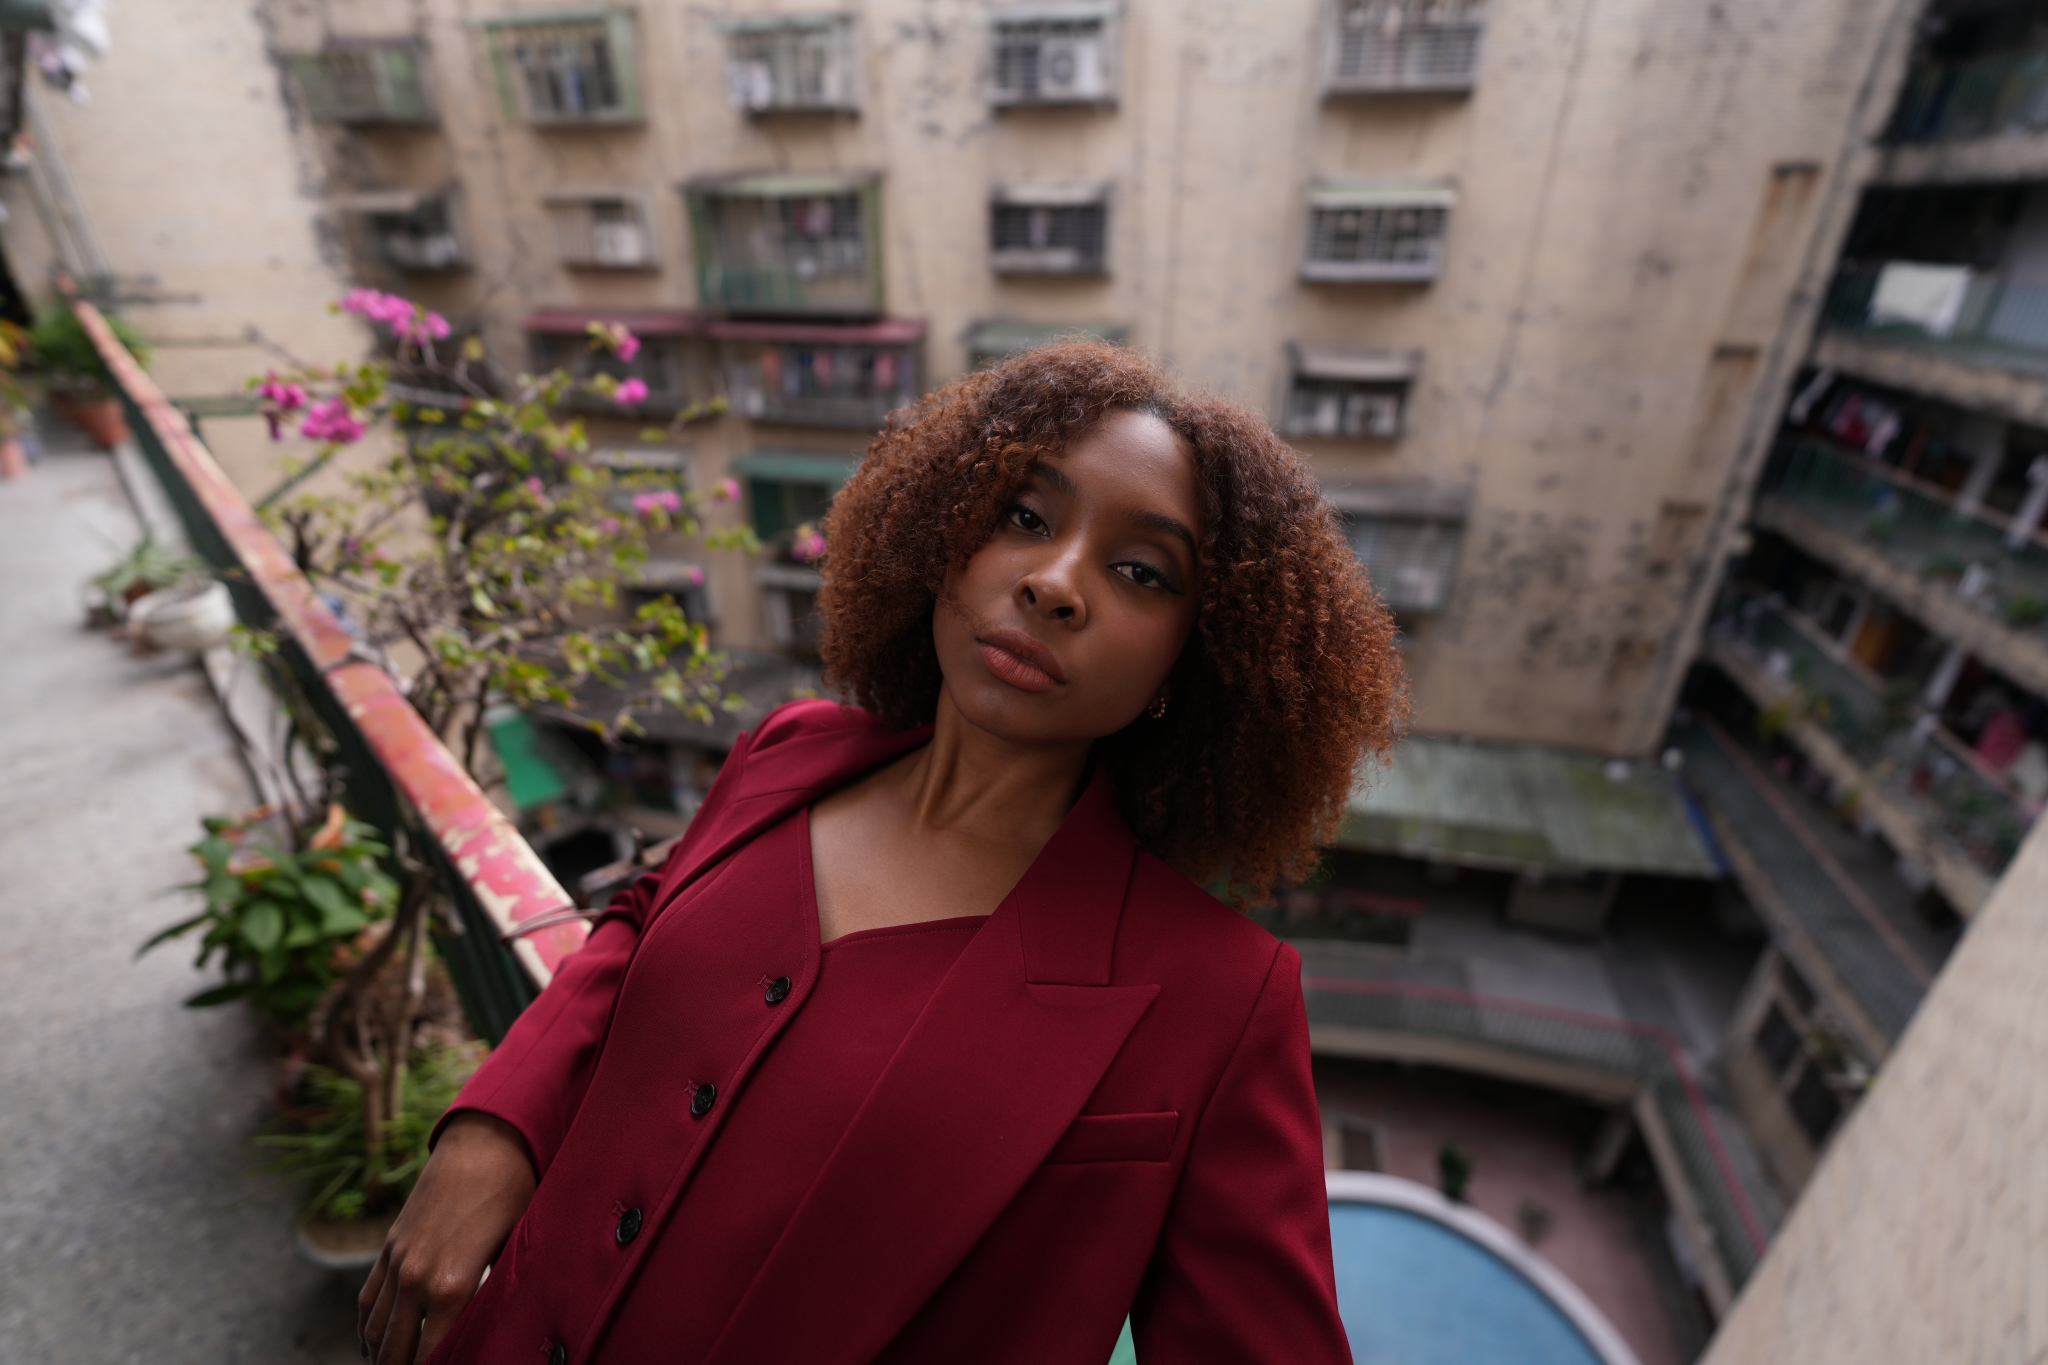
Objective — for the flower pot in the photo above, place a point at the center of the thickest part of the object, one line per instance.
(13, 460)
(349, 1245)
(194, 616)
(97, 415)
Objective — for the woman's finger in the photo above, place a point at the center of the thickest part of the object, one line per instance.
(379, 1322)
(402, 1326)
(366, 1298)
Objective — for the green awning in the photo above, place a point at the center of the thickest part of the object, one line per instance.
(1008, 338)
(1358, 194)
(793, 466)
(531, 777)
(1526, 807)
(781, 184)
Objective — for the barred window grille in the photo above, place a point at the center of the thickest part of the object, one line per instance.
(566, 70)
(603, 232)
(1395, 236)
(1412, 561)
(794, 66)
(424, 238)
(372, 83)
(1054, 61)
(1391, 45)
(1065, 239)
(1341, 408)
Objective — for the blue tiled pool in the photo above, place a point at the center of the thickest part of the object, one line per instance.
(1416, 1292)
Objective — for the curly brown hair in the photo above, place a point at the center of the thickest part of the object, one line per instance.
(1289, 680)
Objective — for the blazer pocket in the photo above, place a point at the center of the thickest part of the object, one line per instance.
(1117, 1137)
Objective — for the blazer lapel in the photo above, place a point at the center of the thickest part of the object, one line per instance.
(1012, 1044)
(777, 781)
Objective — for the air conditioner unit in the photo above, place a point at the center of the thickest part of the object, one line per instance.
(617, 243)
(1072, 68)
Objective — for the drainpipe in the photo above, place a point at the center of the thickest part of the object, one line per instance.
(2032, 507)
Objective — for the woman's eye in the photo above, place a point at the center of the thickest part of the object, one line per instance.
(1144, 575)
(1024, 519)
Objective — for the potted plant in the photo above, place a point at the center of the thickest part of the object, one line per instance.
(147, 568)
(81, 385)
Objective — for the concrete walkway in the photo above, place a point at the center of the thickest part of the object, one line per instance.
(133, 1223)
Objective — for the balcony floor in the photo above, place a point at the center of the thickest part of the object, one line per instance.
(133, 1223)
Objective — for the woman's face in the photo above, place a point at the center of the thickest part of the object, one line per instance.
(1065, 624)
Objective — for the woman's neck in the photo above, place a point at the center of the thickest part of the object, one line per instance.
(970, 782)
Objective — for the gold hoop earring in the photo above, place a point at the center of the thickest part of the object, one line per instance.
(1157, 710)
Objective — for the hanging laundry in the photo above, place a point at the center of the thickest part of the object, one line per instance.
(885, 371)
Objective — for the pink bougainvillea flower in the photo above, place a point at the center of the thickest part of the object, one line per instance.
(614, 337)
(330, 420)
(725, 490)
(537, 488)
(807, 546)
(610, 526)
(407, 319)
(668, 500)
(280, 399)
(628, 345)
(630, 391)
(696, 576)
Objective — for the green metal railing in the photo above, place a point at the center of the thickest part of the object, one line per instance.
(1913, 530)
(1644, 1056)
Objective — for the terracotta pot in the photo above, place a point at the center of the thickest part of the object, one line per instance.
(97, 415)
(13, 462)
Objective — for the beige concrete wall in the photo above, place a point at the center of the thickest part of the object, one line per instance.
(1639, 182)
(1924, 1234)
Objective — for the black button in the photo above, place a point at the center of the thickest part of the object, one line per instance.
(778, 990)
(701, 1102)
(559, 1356)
(629, 1226)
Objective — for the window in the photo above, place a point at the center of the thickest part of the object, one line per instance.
(849, 377)
(793, 65)
(1408, 536)
(603, 229)
(1382, 46)
(1376, 231)
(1060, 55)
(787, 490)
(788, 244)
(566, 69)
(411, 230)
(364, 83)
(990, 342)
(1049, 230)
(1346, 392)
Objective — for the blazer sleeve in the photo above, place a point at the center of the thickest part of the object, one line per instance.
(1242, 1268)
(536, 1078)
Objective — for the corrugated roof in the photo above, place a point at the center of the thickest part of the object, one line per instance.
(1526, 807)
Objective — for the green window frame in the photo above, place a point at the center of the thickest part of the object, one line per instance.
(364, 83)
(589, 77)
(786, 489)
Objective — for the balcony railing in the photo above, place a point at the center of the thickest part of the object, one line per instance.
(1947, 101)
(1917, 531)
(1907, 753)
(398, 775)
(1979, 317)
(1645, 1060)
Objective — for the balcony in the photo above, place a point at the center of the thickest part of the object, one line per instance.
(400, 777)
(782, 245)
(1981, 97)
(1949, 311)
(1964, 573)
(812, 376)
(1378, 1011)
(1934, 799)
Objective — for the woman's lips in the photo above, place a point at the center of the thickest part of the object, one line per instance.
(1020, 661)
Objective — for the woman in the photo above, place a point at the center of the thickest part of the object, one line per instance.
(925, 1045)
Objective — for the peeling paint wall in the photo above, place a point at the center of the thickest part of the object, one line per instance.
(1640, 183)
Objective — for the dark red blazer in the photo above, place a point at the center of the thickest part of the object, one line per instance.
(1106, 1109)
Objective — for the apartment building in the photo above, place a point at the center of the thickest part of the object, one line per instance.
(1886, 625)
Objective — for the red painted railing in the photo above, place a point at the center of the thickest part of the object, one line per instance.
(503, 872)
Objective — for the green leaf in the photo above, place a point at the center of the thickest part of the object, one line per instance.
(182, 926)
(343, 922)
(326, 897)
(219, 995)
(214, 851)
(263, 925)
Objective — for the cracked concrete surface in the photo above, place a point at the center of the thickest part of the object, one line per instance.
(134, 1224)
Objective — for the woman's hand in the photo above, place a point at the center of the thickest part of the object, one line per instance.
(474, 1188)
